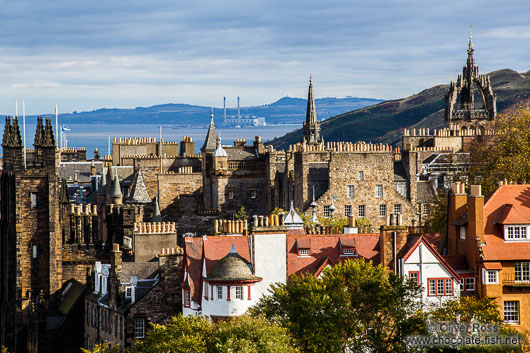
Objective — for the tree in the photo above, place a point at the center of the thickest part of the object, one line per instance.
(102, 348)
(355, 306)
(436, 222)
(180, 335)
(251, 335)
(241, 215)
(508, 154)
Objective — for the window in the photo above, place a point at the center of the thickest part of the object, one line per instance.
(230, 194)
(382, 210)
(522, 271)
(362, 210)
(128, 292)
(440, 286)
(239, 292)
(348, 251)
(219, 292)
(426, 209)
(414, 276)
(515, 232)
(347, 211)
(187, 298)
(34, 251)
(462, 284)
(397, 208)
(351, 191)
(462, 232)
(511, 312)
(327, 212)
(379, 190)
(33, 200)
(491, 277)
(139, 327)
(360, 175)
(470, 284)
(253, 193)
(303, 252)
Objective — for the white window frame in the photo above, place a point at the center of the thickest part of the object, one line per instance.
(361, 210)
(462, 232)
(139, 327)
(490, 276)
(253, 193)
(219, 292)
(523, 270)
(382, 210)
(511, 308)
(239, 292)
(348, 252)
(469, 284)
(397, 208)
(230, 194)
(303, 252)
(326, 212)
(128, 292)
(360, 175)
(379, 190)
(351, 191)
(348, 210)
(34, 201)
(516, 232)
(34, 251)
(426, 209)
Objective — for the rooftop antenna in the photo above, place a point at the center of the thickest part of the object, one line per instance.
(56, 123)
(24, 129)
(16, 107)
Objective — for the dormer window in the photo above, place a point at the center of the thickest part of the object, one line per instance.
(347, 246)
(490, 276)
(516, 232)
(349, 252)
(303, 252)
(128, 292)
(303, 247)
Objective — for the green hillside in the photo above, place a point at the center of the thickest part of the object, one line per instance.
(384, 122)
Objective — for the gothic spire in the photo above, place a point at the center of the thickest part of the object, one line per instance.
(39, 133)
(211, 141)
(16, 140)
(311, 127)
(6, 142)
(49, 139)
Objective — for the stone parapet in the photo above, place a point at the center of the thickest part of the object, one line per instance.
(154, 227)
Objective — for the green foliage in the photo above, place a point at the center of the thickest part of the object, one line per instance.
(241, 215)
(180, 335)
(306, 218)
(103, 348)
(436, 221)
(355, 306)
(278, 211)
(340, 222)
(508, 156)
(251, 335)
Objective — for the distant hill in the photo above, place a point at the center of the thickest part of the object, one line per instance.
(286, 110)
(384, 122)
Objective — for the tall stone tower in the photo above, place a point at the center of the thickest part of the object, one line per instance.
(30, 237)
(467, 114)
(311, 125)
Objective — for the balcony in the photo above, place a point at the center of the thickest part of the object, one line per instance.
(509, 280)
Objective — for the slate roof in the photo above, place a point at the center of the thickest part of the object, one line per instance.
(82, 169)
(142, 270)
(232, 267)
(400, 174)
(210, 142)
(241, 154)
(425, 192)
(138, 193)
(496, 249)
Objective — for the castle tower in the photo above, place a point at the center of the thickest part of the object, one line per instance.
(467, 114)
(311, 126)
(30, 236)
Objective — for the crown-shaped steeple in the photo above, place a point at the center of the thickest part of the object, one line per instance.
(39, 133)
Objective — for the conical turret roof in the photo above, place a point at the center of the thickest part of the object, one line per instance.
(232, 267)
(139, 192)
(157, 217)
(102, 188)
(116, 188)
(212, 139)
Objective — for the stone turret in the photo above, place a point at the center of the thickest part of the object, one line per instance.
(311, 126)
(212, 139)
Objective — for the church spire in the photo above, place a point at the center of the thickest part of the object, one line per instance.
(311, 126)
(211, 141)
(49, 138)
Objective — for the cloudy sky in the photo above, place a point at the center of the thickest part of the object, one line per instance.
(85, 55)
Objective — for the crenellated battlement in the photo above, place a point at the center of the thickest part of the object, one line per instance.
(154, 227)
(451, 131)
(134, 140)
(86, 210)
(341, 147)
(73, 149)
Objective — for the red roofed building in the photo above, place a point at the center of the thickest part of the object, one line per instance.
(494, 237)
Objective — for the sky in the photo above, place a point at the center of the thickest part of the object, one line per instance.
(85, 55)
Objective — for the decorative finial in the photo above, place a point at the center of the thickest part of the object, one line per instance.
(310, 78)
(470, 33)
(211, 116)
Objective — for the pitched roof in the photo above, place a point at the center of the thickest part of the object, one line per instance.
(142, 270)
(211, 140)
(496, 249)
(138, 193)
(327, 247)
(293, 219)
(82, 169)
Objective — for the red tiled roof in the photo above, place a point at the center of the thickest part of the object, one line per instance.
(436, 240)
(327, 247)
(496, 248)
(510, 214)
(193, 265)
(457, 262)
(492, 266)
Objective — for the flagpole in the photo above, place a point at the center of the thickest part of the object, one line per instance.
(24, 129)
(56, 123)
(16, 108)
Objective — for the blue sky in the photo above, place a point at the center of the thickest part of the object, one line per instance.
(85, 55)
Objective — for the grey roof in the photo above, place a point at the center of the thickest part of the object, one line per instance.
(239, 154)
(232, 267)
(211, 140)
(67, 170)
(400, 173)
(125, 174)
(293, 220)
(138, 192)
(157, 217)
(102, 188)
(426, 192)
(142, 270)
(116, 189)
